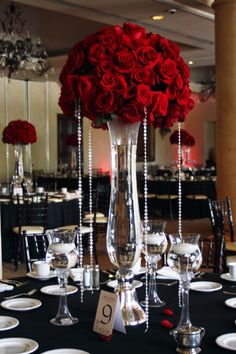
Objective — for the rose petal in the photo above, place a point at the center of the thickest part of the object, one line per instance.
(106, 338)
(168, 312)
(167, 324)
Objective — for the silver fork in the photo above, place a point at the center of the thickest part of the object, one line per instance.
(167, 284)
(17, 283)
(31, 292)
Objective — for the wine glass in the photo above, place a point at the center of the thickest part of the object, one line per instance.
(62, 255)
(185, 257)
(154, 246)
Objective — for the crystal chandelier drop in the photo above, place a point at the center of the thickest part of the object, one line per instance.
(19, 53)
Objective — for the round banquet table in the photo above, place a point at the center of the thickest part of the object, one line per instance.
(206, 309)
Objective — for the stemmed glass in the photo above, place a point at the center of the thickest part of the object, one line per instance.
(185, 257)
(62, 255)
(153, 249)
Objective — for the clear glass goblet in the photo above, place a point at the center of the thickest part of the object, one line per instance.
(153, 249)
(62, 256)
(185, 257)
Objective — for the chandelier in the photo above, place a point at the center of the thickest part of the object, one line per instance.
(208, 87)
(19, 53)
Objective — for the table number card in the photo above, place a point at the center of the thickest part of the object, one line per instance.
(108, 315)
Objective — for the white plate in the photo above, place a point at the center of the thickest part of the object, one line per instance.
(55, 289)
(21, 304)
(141, 270)
(205, 286)
(231, 302)
(18, 345)
(65, 351)
(113, 283)
(7, 322)
(33, 275)
(226, 276)
(227, 341)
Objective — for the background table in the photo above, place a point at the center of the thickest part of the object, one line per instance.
(206, 309)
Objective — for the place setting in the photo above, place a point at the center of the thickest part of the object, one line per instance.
(18, 345)
(41, 271)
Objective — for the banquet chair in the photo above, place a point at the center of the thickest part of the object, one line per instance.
(166, 198)
(213, 253)
(32, 214)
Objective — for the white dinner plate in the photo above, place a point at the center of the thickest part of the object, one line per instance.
(21, 304)
(65, 351)
(231, 302)
(141, 270)
(113, 283)
(18, 345)
(205, 286)
(7, 322)
(227, 341)
(55, 289)
(226, 276)
(33, 275)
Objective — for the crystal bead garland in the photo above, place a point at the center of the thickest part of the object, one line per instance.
(90, 171)
(79, 167)
(145, 216)
(179, 199)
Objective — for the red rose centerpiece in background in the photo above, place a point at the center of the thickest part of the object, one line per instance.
(187, 140)
(120, 70)
(19, 133)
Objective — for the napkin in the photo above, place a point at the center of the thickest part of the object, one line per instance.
(167, 273)
(76, 274)
(4, 287)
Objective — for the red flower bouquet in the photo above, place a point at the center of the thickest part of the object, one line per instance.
(19, 132)
(185, 138)
(72, 140)
(122, 71)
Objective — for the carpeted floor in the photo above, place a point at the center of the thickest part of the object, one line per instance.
(201, 226)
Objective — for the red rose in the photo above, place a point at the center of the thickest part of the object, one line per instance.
(167, 71)
(104, 66)
(169, 48)
(109, 40)
(148, 56)
(184, 70)
(19, 132)
(134, 32)
(141, 75)
(124, 61)
(183, 96)
(143, 94)
(109, 81)
(74, 62)
(85, 85)
(131, 112)
(104, 102)
(96, 53)
(159, 104)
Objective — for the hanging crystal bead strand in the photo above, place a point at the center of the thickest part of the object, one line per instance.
(145, 216)
(90, 171)
(179, 199)
(80, 192)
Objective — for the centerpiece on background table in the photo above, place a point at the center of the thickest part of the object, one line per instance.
(120, 77)
(19, 133)
(187, 141)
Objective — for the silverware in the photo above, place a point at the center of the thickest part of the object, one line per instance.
(31, 292)
(17, 283)
(198, 275)
(167, 284)
(228, 293)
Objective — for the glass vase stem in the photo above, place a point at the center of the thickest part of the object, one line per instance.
(185, 279)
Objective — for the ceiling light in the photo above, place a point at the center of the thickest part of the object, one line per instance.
(158, 17)
(190, 62)
(19, 53)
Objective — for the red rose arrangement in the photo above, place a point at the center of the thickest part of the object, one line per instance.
(19, 132)
(72, 140)
(122, 70)
(185, 138)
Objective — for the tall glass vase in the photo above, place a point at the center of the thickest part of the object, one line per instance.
(18, 175)
(124, 236)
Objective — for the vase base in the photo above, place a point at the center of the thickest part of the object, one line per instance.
(60, 321)
(153, 304)
(132, 312)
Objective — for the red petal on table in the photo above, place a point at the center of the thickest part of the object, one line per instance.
(168, 312)
(167, 324)
(106, 338)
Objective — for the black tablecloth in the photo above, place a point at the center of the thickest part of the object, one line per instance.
(59, 214)
(206, 309)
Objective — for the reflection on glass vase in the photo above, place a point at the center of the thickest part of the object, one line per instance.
(18, 175)
(73, 158)
(124, 236)
(186, 151)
